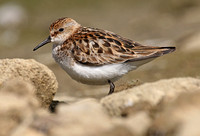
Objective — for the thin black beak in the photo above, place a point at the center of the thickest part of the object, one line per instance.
(48, 40)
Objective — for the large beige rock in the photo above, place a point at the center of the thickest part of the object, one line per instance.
(165, 107)
(118, 130)
(83, 118)
(180, 117)
(39, 124)
(39, 75)
(88, 118)
(17, 104)
(150, 93)
(136, 124)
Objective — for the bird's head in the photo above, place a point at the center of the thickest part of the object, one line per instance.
(60, 31)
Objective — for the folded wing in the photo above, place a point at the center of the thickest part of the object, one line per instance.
(98, 47)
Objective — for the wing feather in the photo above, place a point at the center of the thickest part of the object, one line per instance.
(98, 47)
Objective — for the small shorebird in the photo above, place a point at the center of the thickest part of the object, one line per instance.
(94, 56)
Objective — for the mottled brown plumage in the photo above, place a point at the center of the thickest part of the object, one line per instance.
(95, 56)
(97, 47)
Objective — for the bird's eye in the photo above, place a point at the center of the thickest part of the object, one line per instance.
(61, 29)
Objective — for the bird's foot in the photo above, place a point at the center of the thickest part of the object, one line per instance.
(112, 87)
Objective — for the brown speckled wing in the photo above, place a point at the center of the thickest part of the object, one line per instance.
(99, 47)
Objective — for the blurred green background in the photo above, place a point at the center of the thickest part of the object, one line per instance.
(24, 24)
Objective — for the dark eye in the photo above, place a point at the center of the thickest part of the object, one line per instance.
(61, 29)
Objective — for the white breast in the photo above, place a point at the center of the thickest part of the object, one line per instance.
(99, 74)
(95, 75)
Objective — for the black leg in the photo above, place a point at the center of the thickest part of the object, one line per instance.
(112, 87)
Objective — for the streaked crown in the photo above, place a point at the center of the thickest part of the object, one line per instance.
(62, 29)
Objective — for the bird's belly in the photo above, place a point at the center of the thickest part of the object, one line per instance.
(95, 75)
